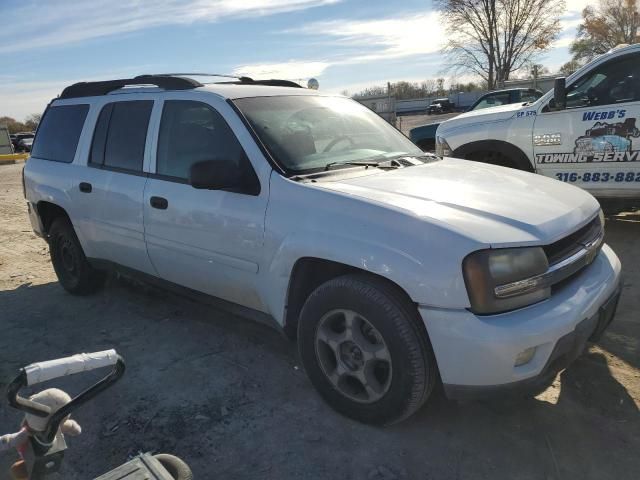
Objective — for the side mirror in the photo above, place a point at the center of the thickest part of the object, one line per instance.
(215, 175)
(560, 93)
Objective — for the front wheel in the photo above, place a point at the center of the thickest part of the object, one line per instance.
(365, 349)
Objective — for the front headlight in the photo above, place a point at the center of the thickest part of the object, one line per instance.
(442, 147)
(487, 272)
(601, 217)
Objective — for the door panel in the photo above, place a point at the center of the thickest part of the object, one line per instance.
(208, 240)
(113, 184)
(116, 223)
(595, 142)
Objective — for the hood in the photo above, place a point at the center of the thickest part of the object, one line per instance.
(491, 114)
(492, 205)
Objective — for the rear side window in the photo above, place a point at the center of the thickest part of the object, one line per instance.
(120, 135)
(59, 133)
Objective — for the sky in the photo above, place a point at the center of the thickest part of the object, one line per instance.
(347, 45)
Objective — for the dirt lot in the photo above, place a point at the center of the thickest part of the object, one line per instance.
(228, 396)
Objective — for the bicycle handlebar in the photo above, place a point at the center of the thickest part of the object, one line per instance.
(83, 362)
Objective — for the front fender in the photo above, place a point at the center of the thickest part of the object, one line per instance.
(406, 271)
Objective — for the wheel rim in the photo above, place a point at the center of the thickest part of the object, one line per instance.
(353, 356)
(68, 257)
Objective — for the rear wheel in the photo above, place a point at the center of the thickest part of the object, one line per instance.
(365, 350)
(74, 272)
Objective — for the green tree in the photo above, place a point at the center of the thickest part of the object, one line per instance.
(610, 23)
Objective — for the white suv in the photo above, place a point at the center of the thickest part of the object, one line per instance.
(396, 270)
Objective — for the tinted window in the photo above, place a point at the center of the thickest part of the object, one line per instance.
(617, 81)
(493, 100)
(530, 96)
(192, 132)
(59, 133)
(100, 136)
(126, 135)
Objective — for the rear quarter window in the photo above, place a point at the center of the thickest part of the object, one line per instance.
(59, 133)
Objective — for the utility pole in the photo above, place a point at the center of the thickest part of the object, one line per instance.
(389, 109)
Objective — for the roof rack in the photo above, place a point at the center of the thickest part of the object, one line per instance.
(239, 80)
(91, 89)
(167, 81)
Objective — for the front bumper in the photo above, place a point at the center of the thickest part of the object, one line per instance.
(476, 354)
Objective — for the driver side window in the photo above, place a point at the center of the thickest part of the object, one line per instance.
(617, 81)
(192, 132)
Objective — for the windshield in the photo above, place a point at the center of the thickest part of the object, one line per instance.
(306, 133)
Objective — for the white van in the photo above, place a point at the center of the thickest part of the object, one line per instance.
(585, 131)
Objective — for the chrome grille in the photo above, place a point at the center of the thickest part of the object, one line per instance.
(569, 245)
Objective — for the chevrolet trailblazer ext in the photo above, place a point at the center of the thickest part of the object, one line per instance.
(396, 270)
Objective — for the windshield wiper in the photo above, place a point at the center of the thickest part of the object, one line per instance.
(362, 163)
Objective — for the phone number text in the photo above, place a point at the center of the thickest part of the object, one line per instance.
(599, 177)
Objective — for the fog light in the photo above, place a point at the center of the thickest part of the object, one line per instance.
(525, 356)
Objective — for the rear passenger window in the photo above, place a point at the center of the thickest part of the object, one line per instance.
(100, 136)
(59, 133)
(120, 135)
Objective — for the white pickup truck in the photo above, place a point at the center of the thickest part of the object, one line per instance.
(395, 269)
(586, 131)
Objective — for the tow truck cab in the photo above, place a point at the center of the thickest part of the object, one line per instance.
(585, 131)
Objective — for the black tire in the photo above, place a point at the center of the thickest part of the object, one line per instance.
(177, 468)
(413, 364)
(500, 159)
(74, 272)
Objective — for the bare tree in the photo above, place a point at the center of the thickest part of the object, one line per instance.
(603, 27)
(494, 38)
(568, 68)
(32, 121)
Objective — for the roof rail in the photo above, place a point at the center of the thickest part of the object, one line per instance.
(273, 82)
(239, 80)
(91, 89)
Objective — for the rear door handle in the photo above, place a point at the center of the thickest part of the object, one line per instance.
(159, 203)
(85, 187)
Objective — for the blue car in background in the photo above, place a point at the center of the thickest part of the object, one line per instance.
(424, 136)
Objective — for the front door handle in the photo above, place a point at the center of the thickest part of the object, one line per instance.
(85, 187)
(159, 203)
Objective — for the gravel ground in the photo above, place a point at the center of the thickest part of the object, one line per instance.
(228, 396)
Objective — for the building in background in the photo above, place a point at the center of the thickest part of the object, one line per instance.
(5, 141)
(383, 105)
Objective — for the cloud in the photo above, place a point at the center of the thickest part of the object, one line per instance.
(402, 36)
(20, 97)
(563, 42)
(71, 21)
(288, 70)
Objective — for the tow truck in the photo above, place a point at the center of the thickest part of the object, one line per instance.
(583, 132)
